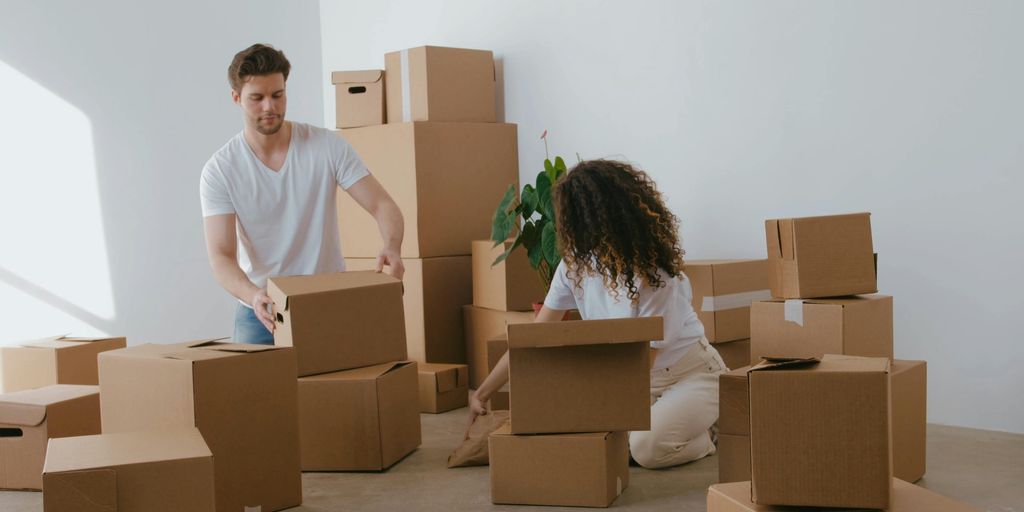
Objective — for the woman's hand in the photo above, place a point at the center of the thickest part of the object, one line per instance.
(477, 407)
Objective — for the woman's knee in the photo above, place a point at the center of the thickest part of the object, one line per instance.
(651, 452)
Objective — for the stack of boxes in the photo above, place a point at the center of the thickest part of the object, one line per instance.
(357, 394)
(446, 161)
(567, 441)
(828, 418)
(723, 291)
(503, 294)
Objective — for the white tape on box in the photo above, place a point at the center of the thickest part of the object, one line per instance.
(794, 311)
(406, 90)
(733, 300)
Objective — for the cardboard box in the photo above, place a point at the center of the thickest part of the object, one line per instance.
(512, 285)
(500, 401)
(432, 83)
(30, 417)
(857, 326)
(734, 353)
(148, 471)
(496, 347)
(909, 419)
(820, 432)
(447, 178)
(435, 290)
(909, 416)
(481, 325)
(735, 497)
(826, 256)
(339, 320)
(733, 458)
(242, 398)
(362, 419)
(722, 293)
(582, 470)
(560, 375)
(358, 97)
(53, 360)
(443, 387)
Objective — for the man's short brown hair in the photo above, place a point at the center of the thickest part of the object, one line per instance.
(256, 60)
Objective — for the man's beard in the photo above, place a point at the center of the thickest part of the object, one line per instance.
(269, 130)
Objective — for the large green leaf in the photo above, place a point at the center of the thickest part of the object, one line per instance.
(531, 237)
(544, 195)
(528, 202)
(501, 224)
(550, 171)
(549, 245)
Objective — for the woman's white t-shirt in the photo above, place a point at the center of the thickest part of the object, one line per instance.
(671, 302)
(286, 220)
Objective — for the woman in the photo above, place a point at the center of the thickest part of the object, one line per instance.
(622, 258)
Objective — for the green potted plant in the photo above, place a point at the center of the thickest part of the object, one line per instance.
(530, 221)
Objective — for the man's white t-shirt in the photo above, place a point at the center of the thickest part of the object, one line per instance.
(671, 302)
(286, 220)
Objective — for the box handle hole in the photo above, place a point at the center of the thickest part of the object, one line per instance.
(10, 432)
(359, 89)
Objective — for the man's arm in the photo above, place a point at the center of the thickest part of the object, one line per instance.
(372, 197)
(221, 247)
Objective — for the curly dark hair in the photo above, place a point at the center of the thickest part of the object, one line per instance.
(256, 60)
(613, 221)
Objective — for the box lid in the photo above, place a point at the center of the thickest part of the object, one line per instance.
(291, 286)
(837, 301)
(61, 341)
(366, 76)
(906, 497)
(122, 448)
(506, 430)
(584, 332)
(198, 350)
(28, 407)
(365, 373)
(828, 363)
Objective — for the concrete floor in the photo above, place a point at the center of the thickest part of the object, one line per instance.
(980, 467)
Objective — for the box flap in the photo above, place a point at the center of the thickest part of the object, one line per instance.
(319, 283)
(364, 373)
(367, 76)
(838, 301)
(93, 490)
(585, 332)
(124, 448)
(28, 407)
(47, 342)
(775, 363)
(240, 348)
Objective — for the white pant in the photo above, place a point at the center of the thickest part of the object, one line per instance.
(684, 405)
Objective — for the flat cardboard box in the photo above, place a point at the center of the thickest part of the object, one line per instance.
(722, 293)
(447, 178)
(362, 419)
(53, 360)
(481, 325)
(443, 387)
(435, 290)
(734, 353)
(580, 470)
(820, 432)
(339, 320)
(857, 326)
(827, 256)
(433, 83)
(147, 471)
(512, 285)
(909, 417)
(733, 458)
(242, 398)
(735, 497)
(30, 417)
(358, 97)
(560, 375)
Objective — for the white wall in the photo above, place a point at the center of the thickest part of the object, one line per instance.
(110, 109)
(749, 110)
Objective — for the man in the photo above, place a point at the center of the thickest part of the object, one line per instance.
(269, 194)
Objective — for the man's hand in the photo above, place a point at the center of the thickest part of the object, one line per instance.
(391, 258)
(261, 305)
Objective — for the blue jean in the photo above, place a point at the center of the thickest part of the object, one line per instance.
(249, 329)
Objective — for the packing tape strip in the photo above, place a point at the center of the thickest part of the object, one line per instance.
(406, 89)
(733, 300)
(794, 311)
